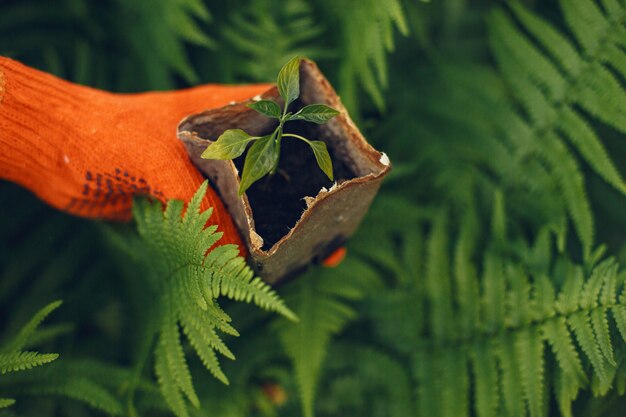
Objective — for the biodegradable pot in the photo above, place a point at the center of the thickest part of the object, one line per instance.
(328, 216)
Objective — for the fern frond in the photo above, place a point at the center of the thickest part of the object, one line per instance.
(26, 332)
(512, 371)
(76, 388)
(483, 357)
(571, 375)
(511, 378)
(363, 380)
(205, 344)
(19, 361)
(167, 24)
(198, 327)
(49, 333)
(323, 311)
(56, 379)
(169, 338)
(552, 86)
(108, 375)
(108, 47)
(306, 342)
(522, 323)
(191, 274)
(167, 382)
(364, 52)
(263, 34)
(13, 359)
(238, 283)
(439, 290)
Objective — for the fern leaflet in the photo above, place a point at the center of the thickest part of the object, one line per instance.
(20, 361)
(13, 359)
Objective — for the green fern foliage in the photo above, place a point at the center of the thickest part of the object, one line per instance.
(321, 299)
(13, 358)
(557, 88)
(499, 336)
(464, 292)
(191, 273)
(94, 383)
(368, 35)
(506, 352)
(60, 381)
(266, 33)
(20, 361)
(363, 380)
(168, 24)
(145, 55)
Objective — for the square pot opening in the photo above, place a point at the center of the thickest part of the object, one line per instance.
(278, 201)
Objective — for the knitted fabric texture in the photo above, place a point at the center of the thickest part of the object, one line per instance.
(87, 152)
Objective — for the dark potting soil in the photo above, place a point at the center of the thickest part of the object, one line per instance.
(278, 201)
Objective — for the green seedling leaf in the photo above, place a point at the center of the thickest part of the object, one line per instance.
(289, 80)
(260, 160)
(229, 145)
(316, 113)
(263, 156)
(267, 108)
(322, 157)
(277, 141)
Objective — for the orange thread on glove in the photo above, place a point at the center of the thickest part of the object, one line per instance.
(87, 151)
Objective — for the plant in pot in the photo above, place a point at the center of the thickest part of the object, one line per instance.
(304, 187)
(264, 155)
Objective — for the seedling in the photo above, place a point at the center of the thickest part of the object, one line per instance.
(263, 156)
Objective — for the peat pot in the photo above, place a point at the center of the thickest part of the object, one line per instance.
(297, 216)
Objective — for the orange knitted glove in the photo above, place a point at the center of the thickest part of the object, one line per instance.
(87, 152)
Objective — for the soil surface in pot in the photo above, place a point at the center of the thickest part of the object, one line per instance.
(278, 201)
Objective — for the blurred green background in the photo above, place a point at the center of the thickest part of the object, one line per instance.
(485, 280)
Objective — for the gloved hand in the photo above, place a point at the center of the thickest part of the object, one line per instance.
(87, 152)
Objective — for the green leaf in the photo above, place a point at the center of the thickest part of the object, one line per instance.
(529, 352)
(20, 361)
(289, 80)
(260, 160)
(77, 388)
(512, 391)
(323, 313)
(579, 322)
(485, 380)
(266, 107)
(229, 145)
(29, 328)
(322, 157)
(316, 113)
(6, 402)
(180, 255)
